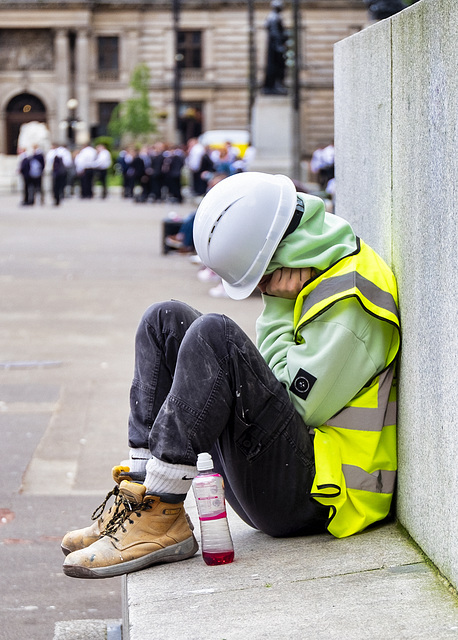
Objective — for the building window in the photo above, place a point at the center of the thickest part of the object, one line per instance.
(108, 57)
(190, 47)
(105, 111)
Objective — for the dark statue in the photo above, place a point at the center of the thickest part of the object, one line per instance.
(381, 9)
(274, 83)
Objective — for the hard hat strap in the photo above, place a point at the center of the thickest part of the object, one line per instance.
(295, 220)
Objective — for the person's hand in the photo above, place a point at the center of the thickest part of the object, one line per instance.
(285, 282)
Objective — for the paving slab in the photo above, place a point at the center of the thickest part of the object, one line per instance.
(376, 585)
(74, 282)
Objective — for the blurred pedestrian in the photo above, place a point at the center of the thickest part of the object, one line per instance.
(157, 176)
(172, 167)
(124, 161)
(36, 169)
(56, 167)
(23, 167)
(103, 162)
(84, 164)
(194, 160)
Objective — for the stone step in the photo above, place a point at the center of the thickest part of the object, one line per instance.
(88, 630)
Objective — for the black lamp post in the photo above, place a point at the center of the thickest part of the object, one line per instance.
(296, 93)
(177, 70)
(252, 66)
(72, 121)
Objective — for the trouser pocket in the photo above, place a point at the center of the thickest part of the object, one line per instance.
(254, 438)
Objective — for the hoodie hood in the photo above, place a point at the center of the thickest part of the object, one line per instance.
(320, 240)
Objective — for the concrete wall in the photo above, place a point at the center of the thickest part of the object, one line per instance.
(396, 100)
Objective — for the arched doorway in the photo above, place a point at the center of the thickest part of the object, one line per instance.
(21, 109)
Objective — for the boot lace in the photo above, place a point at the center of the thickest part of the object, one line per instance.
(124, 512)
(100, 509)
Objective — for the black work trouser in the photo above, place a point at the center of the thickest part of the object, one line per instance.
(200, 384)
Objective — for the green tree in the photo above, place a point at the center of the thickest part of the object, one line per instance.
(135, 116)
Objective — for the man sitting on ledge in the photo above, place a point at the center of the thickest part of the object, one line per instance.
(302, 427)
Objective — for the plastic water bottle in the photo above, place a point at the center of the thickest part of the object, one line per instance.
(216, 541)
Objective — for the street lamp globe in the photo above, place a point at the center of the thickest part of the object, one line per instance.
(72, 104)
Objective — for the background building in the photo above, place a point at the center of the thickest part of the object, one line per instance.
(68, 63)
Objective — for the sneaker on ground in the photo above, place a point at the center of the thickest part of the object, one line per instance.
(173, 242)
(219, 291)
(207, 275)
(147, 532)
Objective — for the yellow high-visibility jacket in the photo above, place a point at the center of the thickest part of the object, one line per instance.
(355, 450)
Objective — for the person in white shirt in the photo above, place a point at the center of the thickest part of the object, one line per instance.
(102, 163)
(84, 165)
(196, 152)
(58, 162)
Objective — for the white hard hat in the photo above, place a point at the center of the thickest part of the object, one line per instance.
(240, 223)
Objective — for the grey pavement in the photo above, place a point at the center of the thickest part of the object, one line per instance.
(74, 281)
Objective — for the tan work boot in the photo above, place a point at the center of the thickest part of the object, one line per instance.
(148, 532)
(81, 538)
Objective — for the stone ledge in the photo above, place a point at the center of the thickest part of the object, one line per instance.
(375, 585)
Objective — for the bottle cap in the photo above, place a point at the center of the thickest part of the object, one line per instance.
(204, 462)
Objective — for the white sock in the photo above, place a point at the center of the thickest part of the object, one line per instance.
(163, 477)
(138, 459)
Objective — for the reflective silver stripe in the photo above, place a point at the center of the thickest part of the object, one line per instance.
(338, 284)
(391, 415)
(363, 419)
(369, 419)
(380, 481)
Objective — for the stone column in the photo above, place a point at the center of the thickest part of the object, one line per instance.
(128, 54)
(82, 85)
(62, 67)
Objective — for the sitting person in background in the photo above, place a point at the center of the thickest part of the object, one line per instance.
(183, 240)
(322, 165)
(224, 158)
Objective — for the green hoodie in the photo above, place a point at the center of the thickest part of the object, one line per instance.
(345, 346)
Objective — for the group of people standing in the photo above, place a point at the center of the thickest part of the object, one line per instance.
(64, 167)
(154, 172)
(149, 173)
(206, 162)
(92, 163)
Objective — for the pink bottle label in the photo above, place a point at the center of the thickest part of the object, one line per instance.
(219, 516)
(209, 496)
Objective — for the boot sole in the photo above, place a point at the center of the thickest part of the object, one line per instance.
(173, 553)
